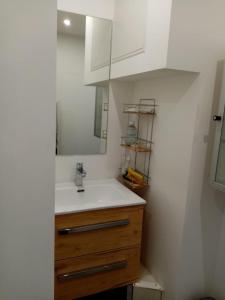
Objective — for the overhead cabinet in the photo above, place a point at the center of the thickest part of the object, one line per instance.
(151, 37)
(97, 50)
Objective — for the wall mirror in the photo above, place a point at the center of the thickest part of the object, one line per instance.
(83, 70)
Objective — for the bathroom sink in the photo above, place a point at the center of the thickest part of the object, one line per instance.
(98, 194)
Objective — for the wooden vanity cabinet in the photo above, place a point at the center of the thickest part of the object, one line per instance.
(96, 251)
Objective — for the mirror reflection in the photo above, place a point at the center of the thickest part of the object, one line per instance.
(83, 67)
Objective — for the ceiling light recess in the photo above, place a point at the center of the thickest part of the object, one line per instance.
(67, 22)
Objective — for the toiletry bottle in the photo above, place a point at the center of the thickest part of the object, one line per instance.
(131, 134)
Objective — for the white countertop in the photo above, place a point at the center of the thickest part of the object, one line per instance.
(98, 194)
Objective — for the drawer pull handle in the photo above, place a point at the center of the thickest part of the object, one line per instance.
(92, 271)
(93, 227)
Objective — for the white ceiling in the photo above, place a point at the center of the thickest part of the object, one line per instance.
(77, 23)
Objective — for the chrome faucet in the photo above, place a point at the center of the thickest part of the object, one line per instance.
(80, 174)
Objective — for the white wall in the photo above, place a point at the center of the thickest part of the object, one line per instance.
(182, 219)
(206, 40)
(74, 99)
(185, 214)
(27, 130)
(93, 8)
(170, 167)
(184, 222)
(216, 286)
(188, 39)
(214, 227)
(203, 235)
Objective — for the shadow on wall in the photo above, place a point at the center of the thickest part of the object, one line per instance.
(163, 221)
(168, 100)
(204, 210)
(122, 93)
(207, 298)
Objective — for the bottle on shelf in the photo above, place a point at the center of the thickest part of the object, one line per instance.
(131, 134)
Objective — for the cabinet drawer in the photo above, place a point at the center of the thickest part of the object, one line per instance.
(97, 231)
(90, 274)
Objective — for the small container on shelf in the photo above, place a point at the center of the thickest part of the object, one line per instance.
(131, 134)
(132, 183)
(140, 145)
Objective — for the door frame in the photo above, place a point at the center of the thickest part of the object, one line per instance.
(218, 132)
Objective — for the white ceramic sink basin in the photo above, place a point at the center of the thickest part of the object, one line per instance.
(98, 194)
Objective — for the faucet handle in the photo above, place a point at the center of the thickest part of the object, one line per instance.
(79, 166)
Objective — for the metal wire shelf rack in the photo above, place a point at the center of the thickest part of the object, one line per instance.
(138, 153)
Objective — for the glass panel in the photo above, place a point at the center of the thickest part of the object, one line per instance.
(220, 169)
(83, 69)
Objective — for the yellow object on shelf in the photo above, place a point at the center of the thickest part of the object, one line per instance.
(135, 176)
(132, 185)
